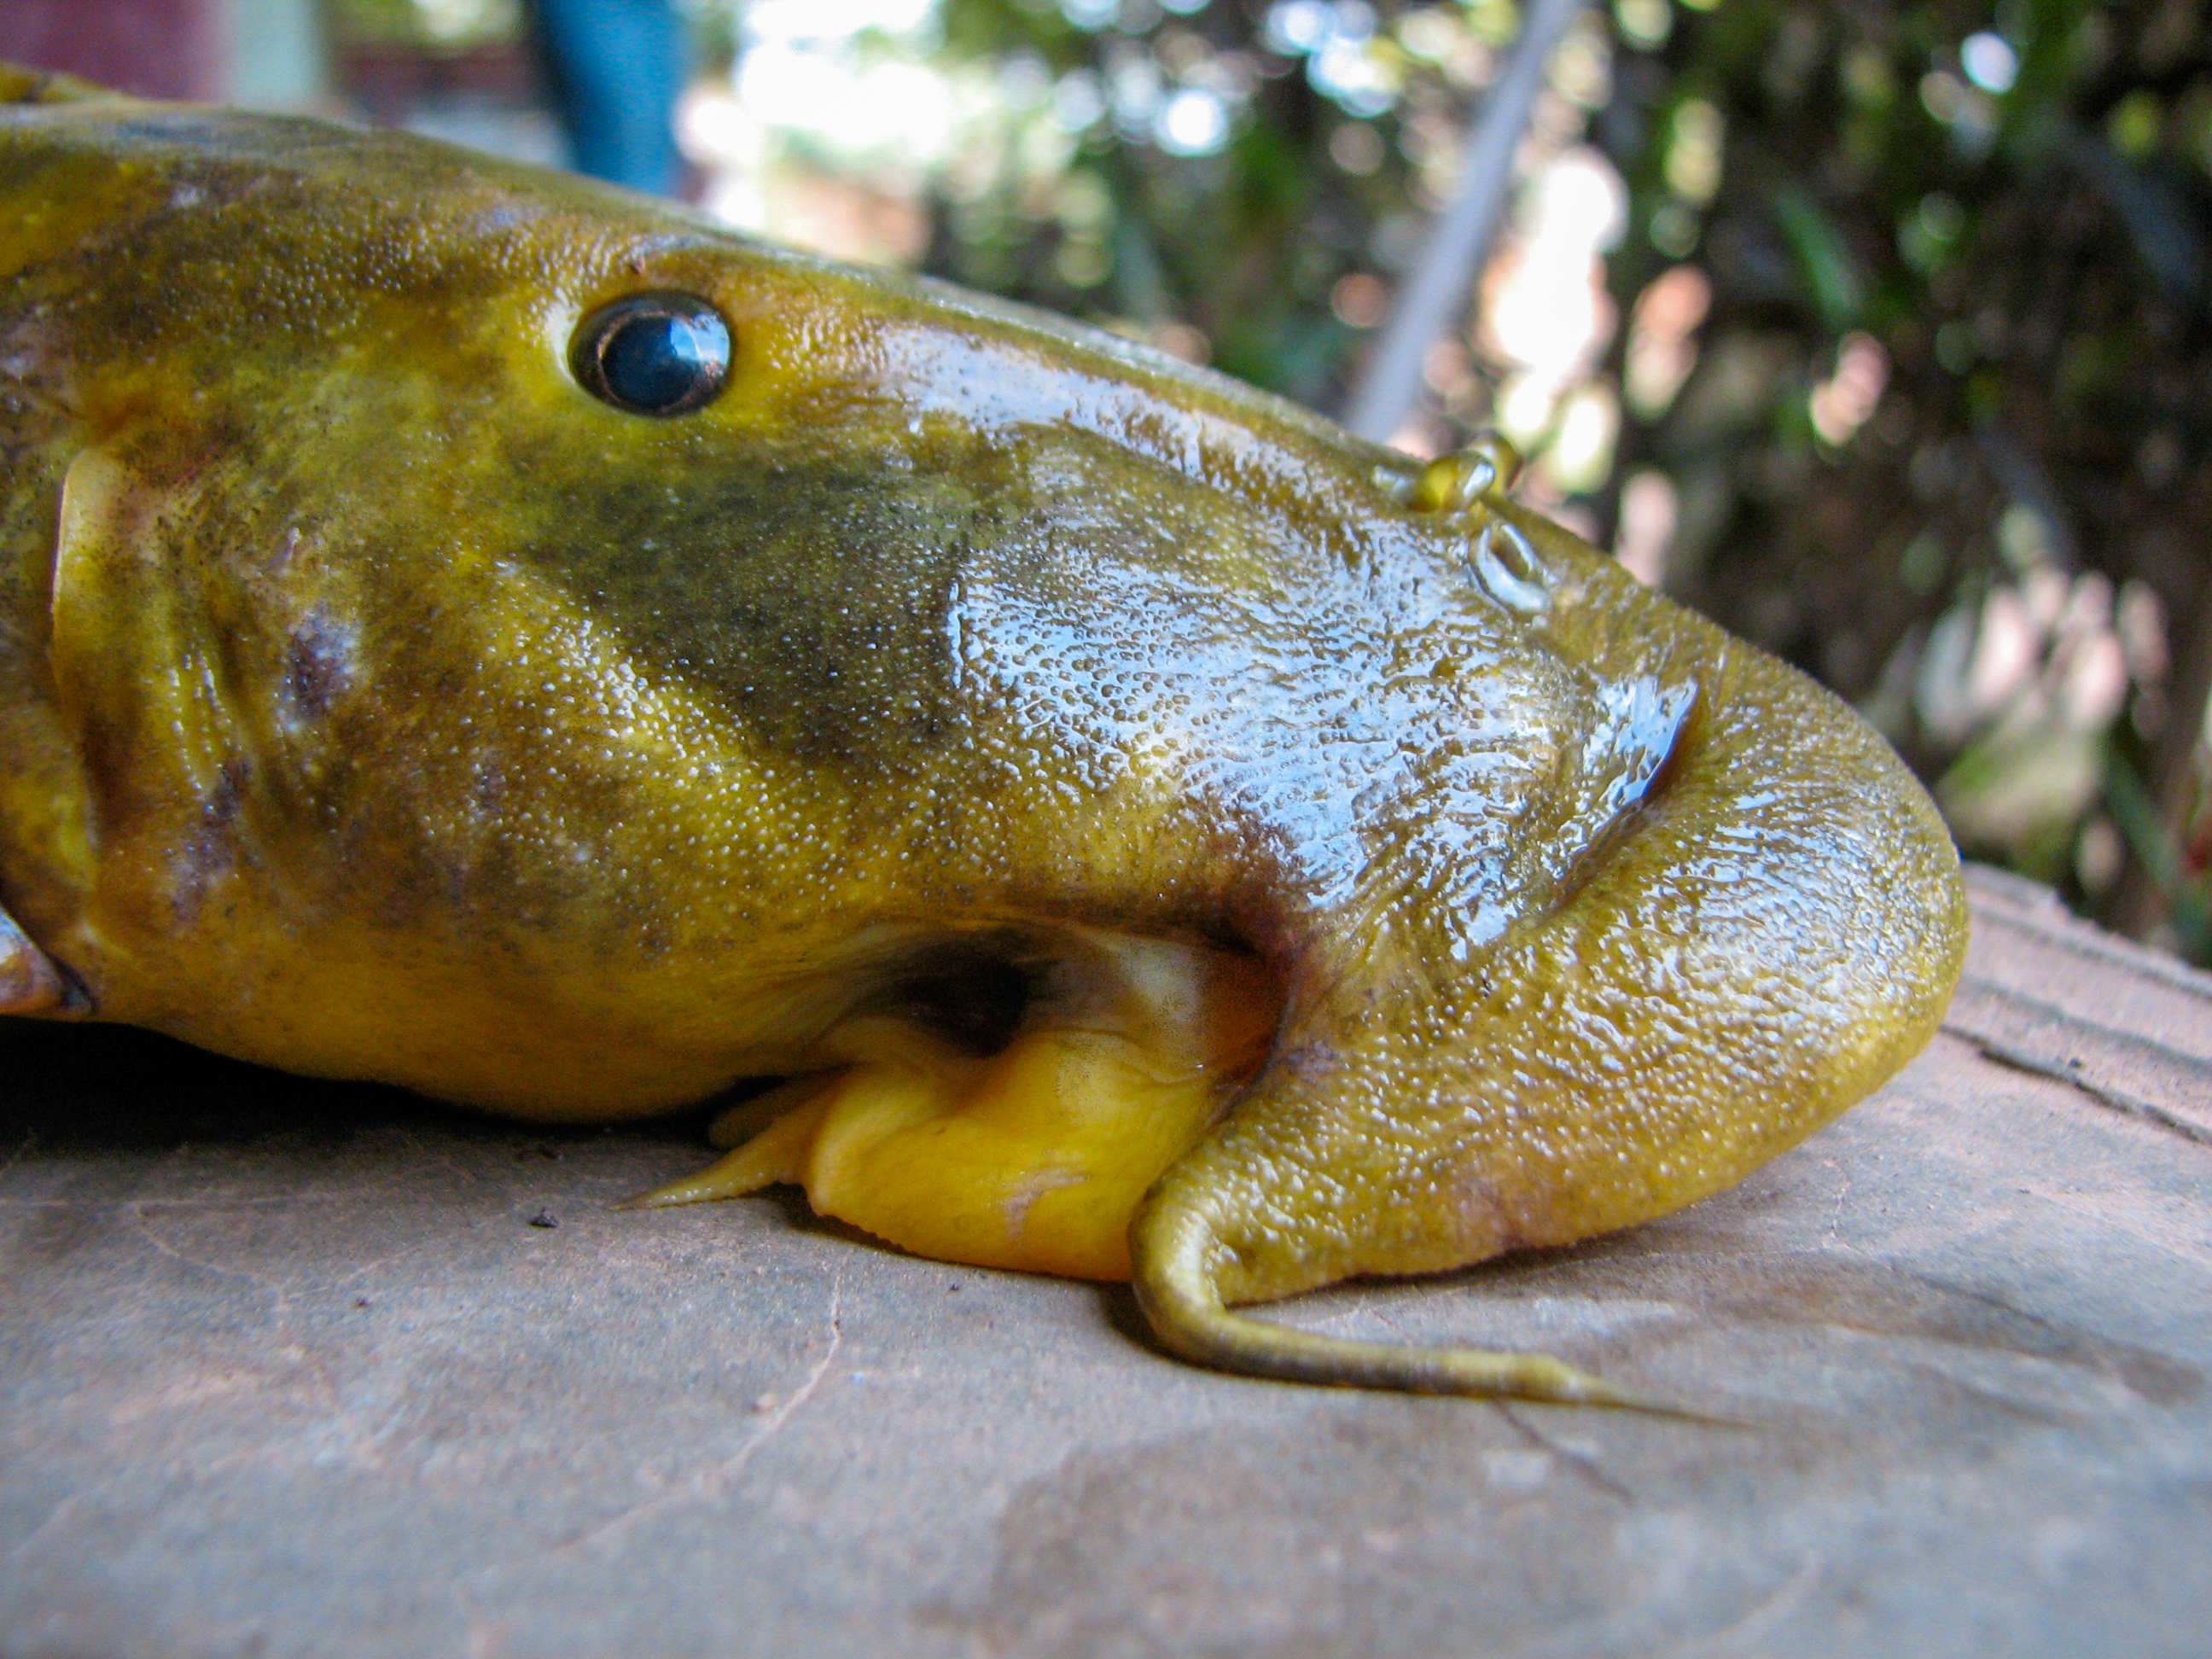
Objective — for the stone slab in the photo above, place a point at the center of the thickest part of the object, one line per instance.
(288, 1370)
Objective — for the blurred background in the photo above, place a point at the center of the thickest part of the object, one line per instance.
(1879, 332)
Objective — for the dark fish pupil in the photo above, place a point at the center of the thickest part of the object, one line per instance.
(657, 363)
(654, 354)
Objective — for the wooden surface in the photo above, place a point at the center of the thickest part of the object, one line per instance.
(287, 1370)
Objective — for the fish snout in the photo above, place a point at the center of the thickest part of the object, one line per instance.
(1766, 924)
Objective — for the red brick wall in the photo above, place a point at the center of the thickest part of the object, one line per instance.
(157, 48)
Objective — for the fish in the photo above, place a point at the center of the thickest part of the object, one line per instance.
(471, 629)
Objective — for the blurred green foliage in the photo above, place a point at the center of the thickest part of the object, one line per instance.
(435, 26)
(1233, 253)
(2006, 215)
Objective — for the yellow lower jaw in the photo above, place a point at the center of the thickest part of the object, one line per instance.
(1034, 1158)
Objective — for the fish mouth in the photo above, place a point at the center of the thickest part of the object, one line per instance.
(1005, 1097)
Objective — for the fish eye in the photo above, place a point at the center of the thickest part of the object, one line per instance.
(653, 354)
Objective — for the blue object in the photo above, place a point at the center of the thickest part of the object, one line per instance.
(615, 69)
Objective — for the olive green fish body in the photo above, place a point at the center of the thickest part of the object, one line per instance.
(949, 692)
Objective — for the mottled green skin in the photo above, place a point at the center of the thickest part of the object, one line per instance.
(377, 704)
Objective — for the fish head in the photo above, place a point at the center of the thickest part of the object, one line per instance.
(523, 642)
(911, 610)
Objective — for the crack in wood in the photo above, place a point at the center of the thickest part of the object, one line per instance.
(2052, 1013)
(2071, 1071)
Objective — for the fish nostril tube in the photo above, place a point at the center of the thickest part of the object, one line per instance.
(1454, 482)
(1504, 562)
